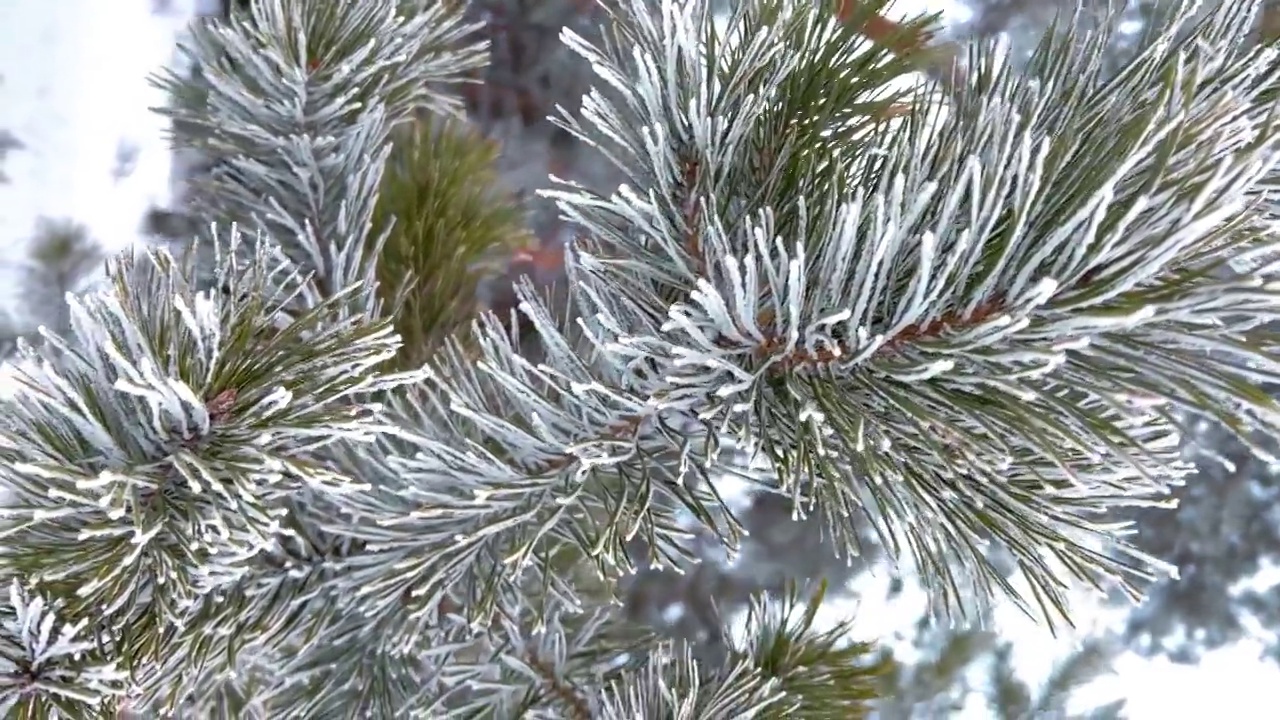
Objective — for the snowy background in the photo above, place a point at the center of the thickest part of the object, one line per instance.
(74, 90)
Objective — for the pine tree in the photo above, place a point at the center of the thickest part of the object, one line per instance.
(8, 143)
(235, 490)
(964, 667)
(62, 257)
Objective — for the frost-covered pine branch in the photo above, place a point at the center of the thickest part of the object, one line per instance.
(951, 330)
(50, 667)
(985, 337)
(293, 108)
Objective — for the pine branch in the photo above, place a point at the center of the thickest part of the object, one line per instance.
(50, 665)
(955, 329)
(341, 78)
(443, 222)
(822, 674)
(677, 688)
(234, 407)
(1008, 290)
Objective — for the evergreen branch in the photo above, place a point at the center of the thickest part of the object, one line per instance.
(357, 673)
(817, 108)
(545, 664)
(50, 666)
(306, 166)
(822, 674)
(972, 295)
(781, 666)
(460, 508)
(676, 687)
(153, 450)
(956, 329)
(569, 697)
(226, 658)
(443, 220)
(236, 693)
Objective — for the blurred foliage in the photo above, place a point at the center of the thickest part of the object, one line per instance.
(960, 666)
(1223, 538)
(8, 141)
(529, 70)
(61, 257)
(829, 676)
(1021, 22)
(447, 221)
(939, 682)
(529, 73)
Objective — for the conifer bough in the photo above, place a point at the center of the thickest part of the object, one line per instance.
(962, 330)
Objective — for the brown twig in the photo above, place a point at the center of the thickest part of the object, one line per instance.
(573, 701)
(884, 31)
(936, 59)
(616, 431)
(219, 406)
(691, 208)
(911, 334)
(774, 340)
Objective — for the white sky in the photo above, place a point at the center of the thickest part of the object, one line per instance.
(73, 88)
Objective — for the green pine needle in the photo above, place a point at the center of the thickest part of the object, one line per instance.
(446, 218)
(821, 672)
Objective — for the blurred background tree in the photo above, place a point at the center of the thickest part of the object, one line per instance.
(957, 670)
(8, 142)
(61, 257)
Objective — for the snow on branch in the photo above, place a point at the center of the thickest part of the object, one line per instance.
(292, 106)
(50, 666)
(153, 450)
(958, 329)
(936, 325)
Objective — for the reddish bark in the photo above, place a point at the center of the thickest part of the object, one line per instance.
(883, 31)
